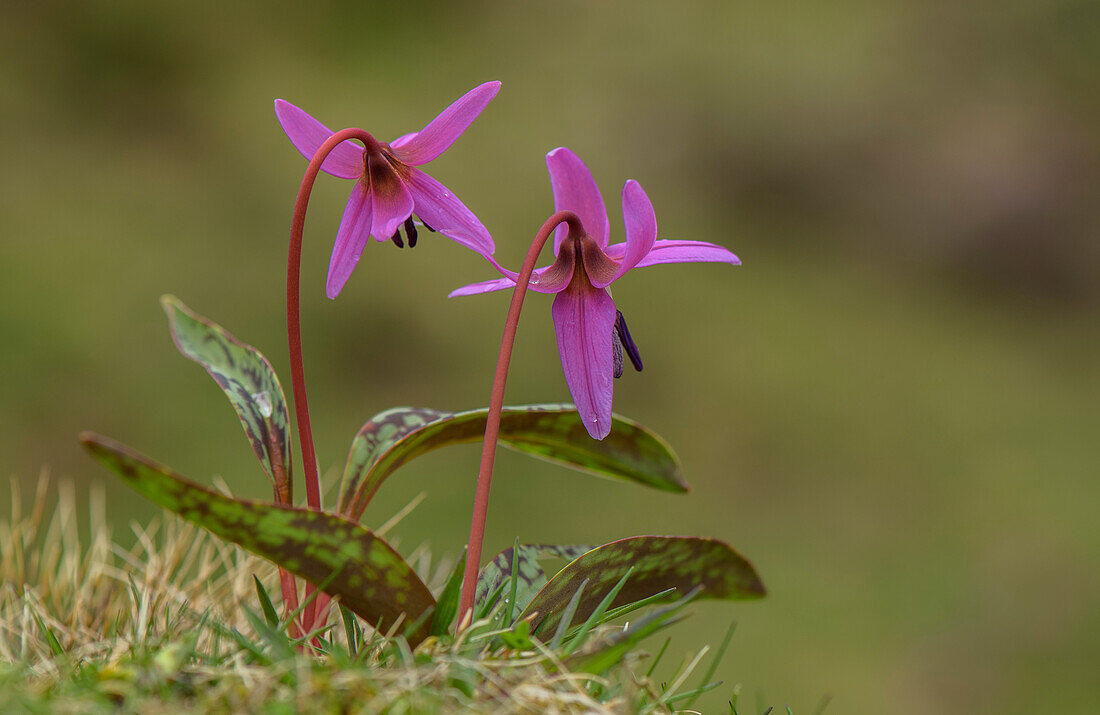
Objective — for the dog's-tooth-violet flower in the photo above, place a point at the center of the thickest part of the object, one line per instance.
(389, 188)
(585, 318)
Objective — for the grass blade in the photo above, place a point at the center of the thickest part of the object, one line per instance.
(597, 614)
(351, 630)
(660, 654)
(567, 616)
(446, 608)
(515, 583)
(693, 694)
(265, 603)
(714, 663)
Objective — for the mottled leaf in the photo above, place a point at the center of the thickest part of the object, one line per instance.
(531, 575)
(370, 578)
(659, 562)
(383, 431)
(248, 381)
(552, 432)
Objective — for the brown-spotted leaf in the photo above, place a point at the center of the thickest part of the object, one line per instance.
(553, 432)
(383, 431)
(248, 381)
(532, 577)
(659, 562)
(370, 578)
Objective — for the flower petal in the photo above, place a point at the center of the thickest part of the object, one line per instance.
(678, 252)
(391, 200)
(438, 207)
(350, 239)
(441, 132)
(543, 280)
(307, 134)
(483, 287)
(402, 140)
(584, 319)
(575, 190)
(641, 232)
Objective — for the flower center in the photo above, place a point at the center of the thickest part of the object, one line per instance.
(598, 267)
(584, 261)
(384, 175)
(382, 168)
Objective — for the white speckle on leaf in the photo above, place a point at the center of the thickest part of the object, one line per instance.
(263, 403)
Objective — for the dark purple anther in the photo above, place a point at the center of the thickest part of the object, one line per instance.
(425, 225)
(616, 355)
(627, 342)
(396, 238)
(410, 231)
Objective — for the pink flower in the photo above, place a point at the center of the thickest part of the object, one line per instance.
(584, 314)
(388, 186)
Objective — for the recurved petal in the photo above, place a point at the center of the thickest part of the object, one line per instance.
(640, 223)
(438, 207)
(575, 190)
(392, 201)
(402, 140)
(678, 252)
(548, 279)
(307, 134)
(584, 319)
(441, 132)
(483, 287)
(350, 239)
(641, 232)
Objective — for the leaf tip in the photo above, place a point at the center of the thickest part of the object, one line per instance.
(171, 306)
(754, 585)
(757, 586)
(90, 440)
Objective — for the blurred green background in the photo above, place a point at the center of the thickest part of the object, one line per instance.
(891, 407)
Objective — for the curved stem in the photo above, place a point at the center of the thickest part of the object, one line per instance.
(294, 329)
(496, 404)
(293, 317)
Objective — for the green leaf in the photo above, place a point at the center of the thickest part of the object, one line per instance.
(248, 381)
(379, 434)
(552, 432)
(447, 607)
(518, 638)
(530, 575)
(483, 609)
(659, 562)
(336, 554)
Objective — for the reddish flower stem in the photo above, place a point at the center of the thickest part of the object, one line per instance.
(294, 328)
(496, 404)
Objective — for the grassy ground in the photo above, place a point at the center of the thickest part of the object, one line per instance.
(175, 625)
